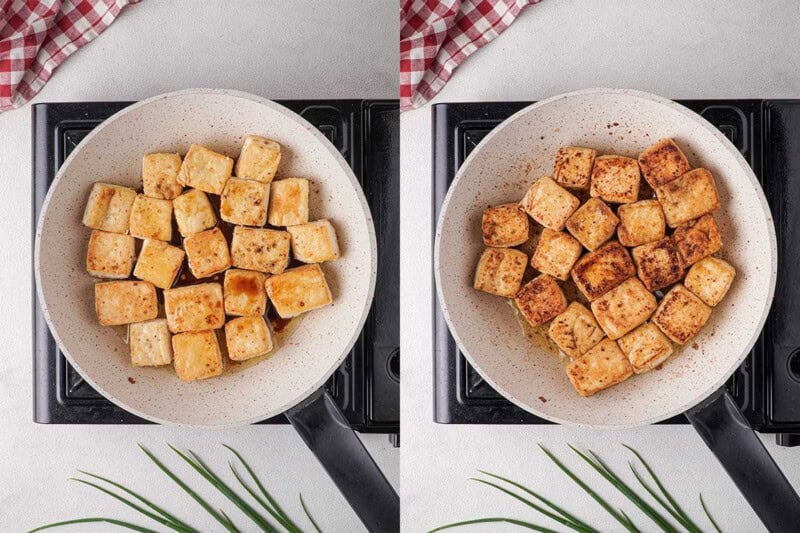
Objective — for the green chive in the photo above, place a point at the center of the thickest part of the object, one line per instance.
(513, 521)
(119, 523)
(710, 518)
(308, 514)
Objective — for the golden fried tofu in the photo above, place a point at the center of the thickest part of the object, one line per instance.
(575, 331)
(549, 204)
(109, 208)
(160, 176)
(623, 308)
(598, 272)
(197, 355)
(615, 179)
(259, 159)
(247, 337)
(298, 290)
(600, 368)
(316, 241)
(556, 253)
(662, 163)
(658, 264)
(110, 255)
(205, 169)
(593, 223)
(681, 314)
(151, 218)
(193, 212)
(504, 226)
(691, 196)
(709, 279)
(540, 300)
(159, 263)
(207, 253)
(573, 166)
(244, 202)
(500, 271)
(265, 250)
(640, 222)
(125, 302)
(645, 347)
(697, 239)
(194, 307)
(245, 293)
(151, 343)
(288, 202)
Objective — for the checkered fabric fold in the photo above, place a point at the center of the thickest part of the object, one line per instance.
(436, 36)
(38, 35)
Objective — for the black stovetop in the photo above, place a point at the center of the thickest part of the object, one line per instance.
(366, 386)
(767, 385)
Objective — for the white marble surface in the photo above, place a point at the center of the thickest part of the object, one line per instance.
(297, 49)
(678, 49)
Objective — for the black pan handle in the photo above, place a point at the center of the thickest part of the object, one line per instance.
(726, 431)
(325, 430)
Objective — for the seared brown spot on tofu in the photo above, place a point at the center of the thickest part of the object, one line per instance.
(194, 307)
(125, 302)
(640, 222)
(540, 300)
(710, 279)
(681, 314)
(688, 197)
(556, 253)
(575, 331)
(600, 271)
(697, 239)
(623, 308)
(207, 253)
(573, 167)
(663, 162)
(593, 223)
(549, 204)
(615, 179)
(504, 226)
(264, 250)
(245, 293)
(658, 264)
(197, 355)
(600, 368)
(500, 271)
(646, 347)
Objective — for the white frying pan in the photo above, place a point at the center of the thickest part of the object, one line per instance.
(292, 380)
(501, 169)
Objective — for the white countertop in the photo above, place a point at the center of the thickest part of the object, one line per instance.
(297, 49)
(678, 49)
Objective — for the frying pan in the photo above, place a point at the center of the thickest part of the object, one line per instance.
(500, 170)
(292, 380)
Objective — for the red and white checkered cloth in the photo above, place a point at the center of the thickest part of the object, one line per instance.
(436, 36)
(38, 35)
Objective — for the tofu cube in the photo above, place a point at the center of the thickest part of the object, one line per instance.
(244, 202)
(197, 355)
(500, 271)
(573, 167)
(194, 307)
(288, 202)
(709, 279)
(160, 176)
(662, 163)
(640, 222)
(645, 347)
(207, 253)
(697, 239)
(245, 293)
(593, 223)
(193, 212)
(658, 264)
(556, 253)
(110, 255)
(540, 300)
(316, 242)
(205, 169)
(681, 314)
(151, 343)
(159, 263)
(298, 290)
(109, 208)
(615, 179)
(504, 226)
(549, 204)
(125, 302)
(264, 250)
(600, 368)
(575, 331)
(247, 337)
(623, 308)
(151, 218)
(691, 196)
(598, 272)
(259, 159)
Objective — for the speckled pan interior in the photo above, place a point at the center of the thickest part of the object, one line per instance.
(501, 169)
(219, 120)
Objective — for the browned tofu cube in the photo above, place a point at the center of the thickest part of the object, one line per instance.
(600, 368)
(160, 175)
(575, 331)
(197, 355)
(504, 226)
(549, 204)
(125, 302)
(500, 271)
(151, 218)
(110, 255)
(556, 253)
(615, 179)
(691, 196)
(640, 222)
(205, 169)
(194, 307)
(298, 290)
(663, 162)
(288, 202)
(573, 167)
(623, 308)
(193, 212)
(245, 293)
(709, 279)
(598, 272)
(697, 239)
(244, 202)
(247, 337)
(658, 264)
(645, 347)
(109, 208)
(593, 223)
(151, 343)
(207, 253)
(540, 300)
(259, 159)
(681, 314)
(159, 263)
(264, 250)
(316, 241)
